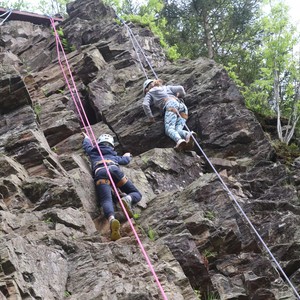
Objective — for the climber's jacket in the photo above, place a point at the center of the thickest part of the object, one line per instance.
(110, 156)
(159, 95)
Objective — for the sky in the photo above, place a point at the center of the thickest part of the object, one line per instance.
(294, 10)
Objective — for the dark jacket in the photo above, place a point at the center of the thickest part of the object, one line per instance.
(107, 152)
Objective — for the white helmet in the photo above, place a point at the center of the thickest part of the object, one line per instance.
(146, 83)
(106, 138)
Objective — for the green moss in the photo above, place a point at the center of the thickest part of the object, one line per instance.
(286, 153)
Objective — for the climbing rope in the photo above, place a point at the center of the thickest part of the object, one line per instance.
(86, 122)
(226, 188)
(8, 13)
(244, 215)
(135, 43)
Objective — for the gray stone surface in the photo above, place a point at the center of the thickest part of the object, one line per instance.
(54, 240)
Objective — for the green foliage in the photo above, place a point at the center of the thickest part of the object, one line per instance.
(151, 234)
(66, 45)
(49, 221)
(40, 6)
(207, 253)
(274, 87)
(54, 149)
(208, 295)
(146, 16)
(212, 296)
(231, 70)
(37, 109)
(148, 20)
(275, 91)
(67, 294)
(18, 4)
(198, 294)
(210, 215)
(136, 216)
(197, 28)
(51, 7)
(286, 153)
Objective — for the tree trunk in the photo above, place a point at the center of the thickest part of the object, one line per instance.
(277, 104)
(208, 39)
(294, 118)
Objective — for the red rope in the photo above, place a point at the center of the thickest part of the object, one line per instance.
(59, 45)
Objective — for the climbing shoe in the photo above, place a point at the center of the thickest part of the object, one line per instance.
(180, 146)
(115, 230)
(190, 141)
(127, 202)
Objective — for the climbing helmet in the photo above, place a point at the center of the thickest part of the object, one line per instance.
(146, 83)
(106, 138)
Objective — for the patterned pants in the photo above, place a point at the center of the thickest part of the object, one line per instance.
(173, 123)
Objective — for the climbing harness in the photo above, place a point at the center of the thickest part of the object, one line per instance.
(88, 129)
(8, 13)
(122, 182)
(226, 187)
(103, 181)
(180, 114)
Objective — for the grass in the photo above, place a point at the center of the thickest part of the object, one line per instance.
(151, 234)
(210, 215)
(67, 294)
(37, 109)
(207, 253)
(286, 153)
(208, 295)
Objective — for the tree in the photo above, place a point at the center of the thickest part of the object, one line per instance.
(278, 85)
(209, 28)
(51, 7)
(19, 4)
(146, 15)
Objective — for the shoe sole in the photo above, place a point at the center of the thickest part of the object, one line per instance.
(128, 209)
(190, 144)
(181, 147)
(115, 230)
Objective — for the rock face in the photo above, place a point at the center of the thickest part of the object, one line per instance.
(54, 241)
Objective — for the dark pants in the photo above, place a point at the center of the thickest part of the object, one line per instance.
(104, 191)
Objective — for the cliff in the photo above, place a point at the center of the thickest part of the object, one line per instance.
(54, 240)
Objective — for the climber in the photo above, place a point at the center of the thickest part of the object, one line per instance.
(102, 181)
(166, 98)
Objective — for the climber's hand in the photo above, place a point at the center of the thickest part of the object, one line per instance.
(84, 135)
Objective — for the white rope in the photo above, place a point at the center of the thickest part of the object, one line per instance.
(244, 214)
(4, 14)
(133, 38)
(224, 184)
(9, 13)
(137, 53)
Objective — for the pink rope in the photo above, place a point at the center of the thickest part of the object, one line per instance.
(58, 44)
